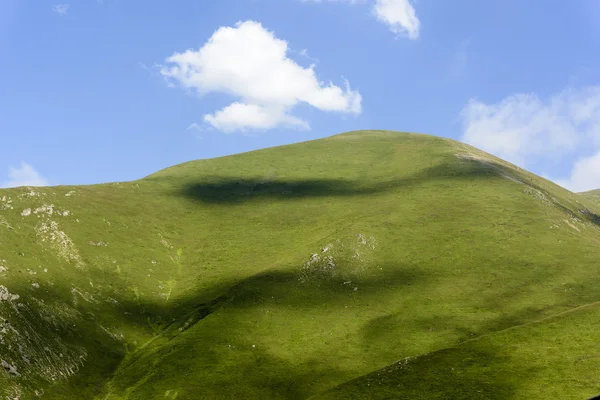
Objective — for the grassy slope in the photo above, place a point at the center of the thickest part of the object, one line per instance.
(555, 358)
(204, 288)
(593, 195)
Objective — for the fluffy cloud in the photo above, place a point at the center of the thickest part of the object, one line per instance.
(399, 15)
(61, 9)
(25, 175)
(249, 62)
(238, 116)
(525, 130)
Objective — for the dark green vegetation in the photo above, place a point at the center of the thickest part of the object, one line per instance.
(366, 265)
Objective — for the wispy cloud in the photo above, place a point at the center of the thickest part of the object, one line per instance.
(61, 9)
(196, 129)
(25, 175)
(460, 59)
(194, 126)
(528, 130)
(399, 15)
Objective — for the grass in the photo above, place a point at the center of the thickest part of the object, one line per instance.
(593, 195)
(555, 357)
(205, 284)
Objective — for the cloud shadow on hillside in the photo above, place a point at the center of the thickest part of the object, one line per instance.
(452, 373)
(274, 290)
(232, 190)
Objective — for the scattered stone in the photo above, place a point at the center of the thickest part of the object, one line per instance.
(362, 238)
(339, 259)
(45, 209)
(5, 203)
(4, 222)
(61, 242)
(539, 195)
(571, 225)
(11, 369)
(26, 212)
(5, 295)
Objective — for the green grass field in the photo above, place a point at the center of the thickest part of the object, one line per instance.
(593, 195)
(371, 264)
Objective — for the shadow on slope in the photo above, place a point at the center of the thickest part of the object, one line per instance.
(532, 360)
(454, 373)
(281, 289)
(227, 189)
(60, 347)
(233, 190)
(230, 365)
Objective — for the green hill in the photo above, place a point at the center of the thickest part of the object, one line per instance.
(371, 264)
(593, 195)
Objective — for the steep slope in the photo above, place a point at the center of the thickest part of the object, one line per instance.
(284, 272)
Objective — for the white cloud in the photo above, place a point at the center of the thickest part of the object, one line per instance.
(585, 175)
(249, 62)
(526, 130)
(399, 15)
(240, 117)
(25, 175)
(61, 9)
(459, 59)
(194, 126)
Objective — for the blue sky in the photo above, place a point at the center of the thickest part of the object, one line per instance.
(96, 91)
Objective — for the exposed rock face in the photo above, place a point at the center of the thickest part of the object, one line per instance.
(60, 241)
(344, 259)
(10, 369)
(5, 295)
